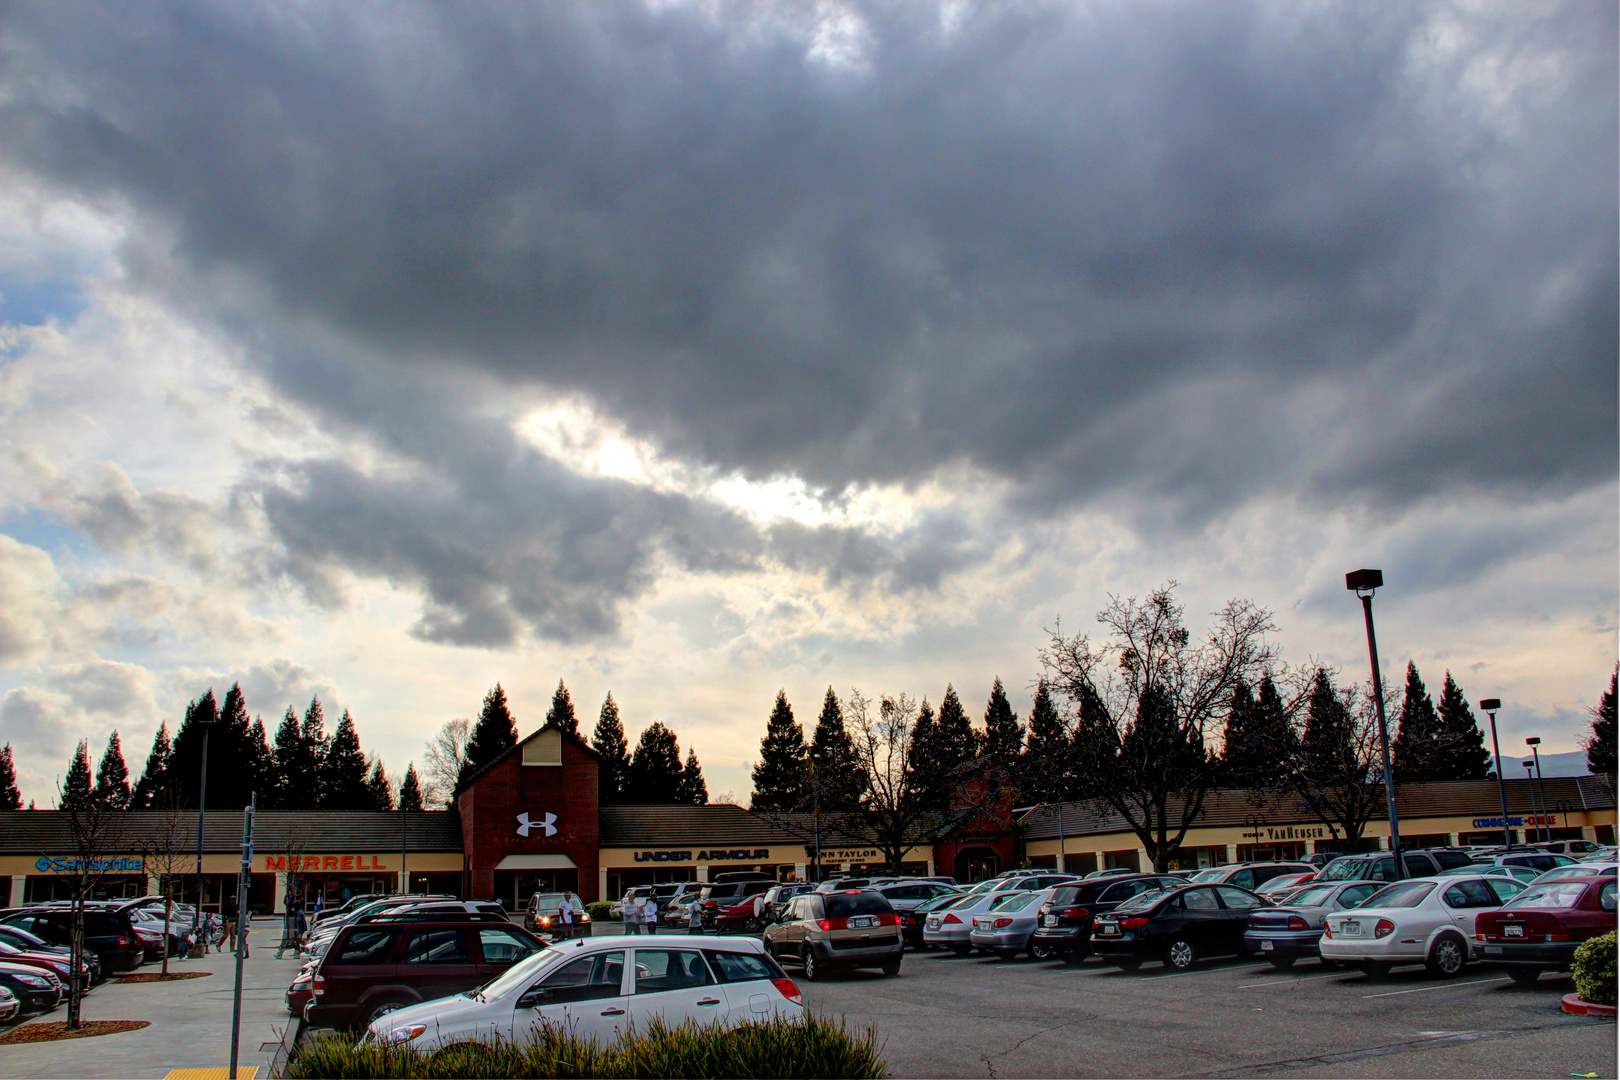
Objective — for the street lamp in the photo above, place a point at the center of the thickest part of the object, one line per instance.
(1363, 583)
(1490, 705)
(1530, 782)
(1541, 781)
(202, 808)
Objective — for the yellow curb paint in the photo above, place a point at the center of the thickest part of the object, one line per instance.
(218, 1072)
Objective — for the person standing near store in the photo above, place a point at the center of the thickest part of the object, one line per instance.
(649, 914)
(694, 919)
(565, 914)
(630, 912)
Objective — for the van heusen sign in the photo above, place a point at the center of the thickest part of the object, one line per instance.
(310, 863)
(710, 855)
(1294, 832)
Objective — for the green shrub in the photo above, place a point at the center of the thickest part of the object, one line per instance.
(809, 1047)
(599, 910)
(1594, 972)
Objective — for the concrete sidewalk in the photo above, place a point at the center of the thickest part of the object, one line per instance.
(190, 1018)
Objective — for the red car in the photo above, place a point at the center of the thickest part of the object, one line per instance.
(1544, 925)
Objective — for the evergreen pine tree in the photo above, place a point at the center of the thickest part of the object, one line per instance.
(493, 735)
(112, 776)
(410, 789)
(940, 744)
(655, 768)
(1003, 734)
(958, 742)
(1600, 744)
(1272, 736)
(1417, 741)
(291, 788)
(613, 753)
(343, 777)
(378, 788)
(1326, 744)
(76, 789)
(1096, 746)
(313, 746)
(185, 757)
(229, 745)
(152, 788)
(1237, 747)
(10, 796)
(1046, 763)
(258, 766)
(779, 778)
(838, 779)
(1462, 754)
(692, 789)
(561, 712)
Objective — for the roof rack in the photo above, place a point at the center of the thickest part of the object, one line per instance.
(429, 916)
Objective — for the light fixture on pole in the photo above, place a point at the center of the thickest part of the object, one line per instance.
(1534, 742)
(1532, 837)
(1490, 705)
(202, 808)
(1364, 583)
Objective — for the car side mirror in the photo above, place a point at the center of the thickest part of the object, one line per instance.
(532, 997)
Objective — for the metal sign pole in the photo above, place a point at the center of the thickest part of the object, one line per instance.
(244, 879)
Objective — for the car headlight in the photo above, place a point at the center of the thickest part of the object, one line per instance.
(584, 918)
(38, 982)
(394, 1036)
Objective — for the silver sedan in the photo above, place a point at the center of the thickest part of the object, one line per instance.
(1007, 925)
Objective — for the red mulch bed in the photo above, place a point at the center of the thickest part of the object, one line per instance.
(159, 977)
(50, 1031)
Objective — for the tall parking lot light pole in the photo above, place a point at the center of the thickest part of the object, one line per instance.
(1534, 742)
(1490, 705)
(1364, 583)
(202, 809)
(1530, 781)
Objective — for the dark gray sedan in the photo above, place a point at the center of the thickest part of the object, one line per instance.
(1281, 935)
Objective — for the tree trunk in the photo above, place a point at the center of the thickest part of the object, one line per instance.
(75, 960)
(168, 902)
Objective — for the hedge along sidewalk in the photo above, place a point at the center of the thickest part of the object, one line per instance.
(1593, 967)
(809, 1047)
(190, 1019)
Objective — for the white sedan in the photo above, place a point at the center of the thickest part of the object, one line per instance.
(1427, 921)
(597, 988)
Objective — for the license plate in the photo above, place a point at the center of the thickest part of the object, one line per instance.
(1350, 929)
(1513, 931)
(1266, 946)
(1493, 950)
(1049, 920)
(1108, 930)
(861, 921)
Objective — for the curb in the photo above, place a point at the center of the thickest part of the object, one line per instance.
(1576, 1007)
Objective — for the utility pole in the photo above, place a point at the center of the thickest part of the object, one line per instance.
(202, 808)
(1364, 583)
(244, 880)
(1490, 705)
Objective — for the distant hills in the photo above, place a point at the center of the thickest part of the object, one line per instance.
(1570, 764)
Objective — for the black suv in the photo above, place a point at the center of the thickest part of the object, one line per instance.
(1380, 865)
(108, 933)
(1067, 918)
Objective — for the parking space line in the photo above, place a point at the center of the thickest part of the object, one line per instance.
(1442, 986)
(1291, 982)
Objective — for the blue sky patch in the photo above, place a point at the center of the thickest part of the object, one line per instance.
(34, 303)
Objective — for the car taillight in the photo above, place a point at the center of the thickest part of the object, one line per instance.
(1327, 930)
(1384, 928)
(317, 985)
(1135, 922)
(1297, 923)
(789, 989)
(1074, 912)
(825, 924)
(891, 919)
(952, 918)
(1001, 924)
(124, 943)
(1557, 931)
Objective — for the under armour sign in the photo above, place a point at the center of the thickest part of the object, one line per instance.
(524, 825)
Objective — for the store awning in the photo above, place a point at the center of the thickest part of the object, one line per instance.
(536, 862)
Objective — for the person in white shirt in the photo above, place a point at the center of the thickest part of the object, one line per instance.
(565, 913)
(632, 914)
(649, 915)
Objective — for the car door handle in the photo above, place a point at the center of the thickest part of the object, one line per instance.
(612, 1012)
(709, 1001)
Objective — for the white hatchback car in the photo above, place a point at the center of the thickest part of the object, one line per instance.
(599, 988)
(1427, 921)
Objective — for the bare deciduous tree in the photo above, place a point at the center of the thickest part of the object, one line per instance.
(165, 851)
(446, 756)
(95, 833)
(1148, 698)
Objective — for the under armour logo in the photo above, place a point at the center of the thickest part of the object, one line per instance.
(524, 824)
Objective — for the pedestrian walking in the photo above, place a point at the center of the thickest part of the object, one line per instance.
(565, 913)
(631, 914)
(694, 920)
(230, 933)
(649, 915)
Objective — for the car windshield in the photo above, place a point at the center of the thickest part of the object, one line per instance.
(1313, 897)
(1341, 870)
(1403, 894)
(1013, 901)
(1143, 901)
(1214, 873)
(545, 900)
(940, 903)
(1561, 894)
(518, 976)
(842, 905)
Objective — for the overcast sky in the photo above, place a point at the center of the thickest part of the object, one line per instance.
(694, 350)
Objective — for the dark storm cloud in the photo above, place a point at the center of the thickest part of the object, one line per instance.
(1189, 252)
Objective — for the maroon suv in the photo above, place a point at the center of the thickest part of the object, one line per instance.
(377, 964)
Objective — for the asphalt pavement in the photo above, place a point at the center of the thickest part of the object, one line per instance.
(947, 1016)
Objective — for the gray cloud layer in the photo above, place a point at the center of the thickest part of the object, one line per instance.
(1190, 253)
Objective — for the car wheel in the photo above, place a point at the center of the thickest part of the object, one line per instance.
(1180, 954)
(812, 967)
(1375, 969)
(1447, 956)
(1042, 951)
(752, 925)
(892, 968)
(1280, 962)
(1524, 976)
(381, 1009)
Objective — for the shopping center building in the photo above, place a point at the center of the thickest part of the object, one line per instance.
(532, 821)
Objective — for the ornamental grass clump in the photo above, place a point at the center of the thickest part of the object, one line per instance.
(808, 1047)
(1594, 970)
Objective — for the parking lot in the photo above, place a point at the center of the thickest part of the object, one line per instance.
(974, 1016)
